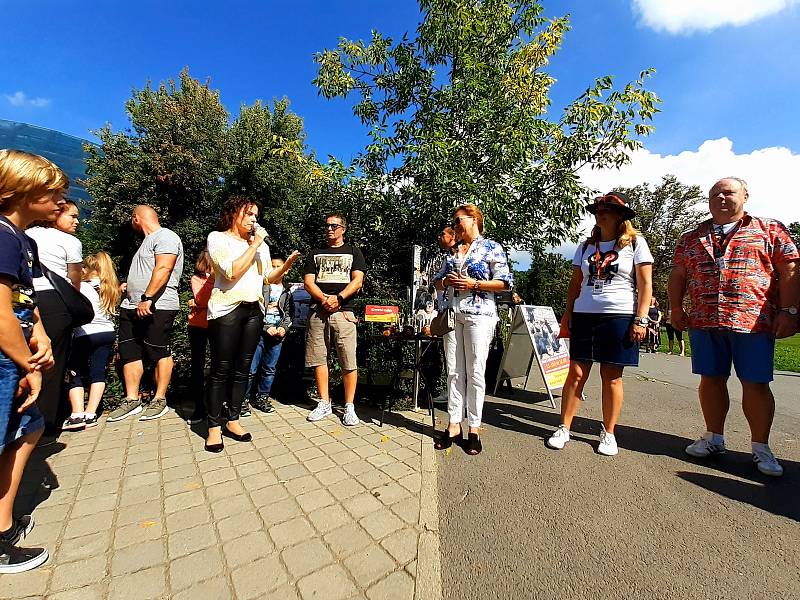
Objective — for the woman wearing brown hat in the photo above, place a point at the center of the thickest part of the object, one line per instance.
(606, 314)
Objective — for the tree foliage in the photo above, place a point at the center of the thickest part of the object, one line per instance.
(664, 212)
(546, 281)
(794, 231)
(460, 112)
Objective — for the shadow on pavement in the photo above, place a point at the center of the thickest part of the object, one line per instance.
(775, 495)
(38, 479)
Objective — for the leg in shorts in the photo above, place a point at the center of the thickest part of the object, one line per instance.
(147, 337)
(325, 332)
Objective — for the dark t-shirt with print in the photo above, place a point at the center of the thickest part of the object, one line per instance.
(333, 267)
(19, 263)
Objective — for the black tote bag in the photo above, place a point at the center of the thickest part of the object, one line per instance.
(78, 306)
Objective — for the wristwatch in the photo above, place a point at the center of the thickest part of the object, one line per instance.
(792, 310)
(146, 298)
(340, 299)
(642, 321)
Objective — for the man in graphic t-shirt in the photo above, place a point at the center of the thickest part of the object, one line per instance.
(333, 276)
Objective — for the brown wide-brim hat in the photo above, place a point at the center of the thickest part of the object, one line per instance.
(616, 199)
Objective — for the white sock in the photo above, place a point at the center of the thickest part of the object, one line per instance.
(89, 415)
(715, 438)
(759, 446)
(350, 407)
(75, 415)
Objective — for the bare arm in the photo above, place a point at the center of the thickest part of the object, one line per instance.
(162, 270)
(275, 274)
(644, 282)
(331, 303)
(676, 290)
(788, 295)
(573, 291)
(40, 345)
(310, 283)
(74, 274)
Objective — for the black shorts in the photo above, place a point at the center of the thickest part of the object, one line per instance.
(602, 339)
(147, 337)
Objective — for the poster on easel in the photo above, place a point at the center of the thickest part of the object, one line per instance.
(534, 337)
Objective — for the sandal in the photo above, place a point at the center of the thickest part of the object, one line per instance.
(474, 446)
(444, 440)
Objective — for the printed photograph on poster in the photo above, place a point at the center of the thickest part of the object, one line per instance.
(334, 268)
(551, 350)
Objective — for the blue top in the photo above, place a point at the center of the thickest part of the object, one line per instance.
(485, 260)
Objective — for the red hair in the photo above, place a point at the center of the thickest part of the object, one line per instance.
(474, 212)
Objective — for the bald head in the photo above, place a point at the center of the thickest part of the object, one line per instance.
(726, 200)
(144, 219)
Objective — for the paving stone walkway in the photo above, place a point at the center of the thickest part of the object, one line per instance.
(307, 510)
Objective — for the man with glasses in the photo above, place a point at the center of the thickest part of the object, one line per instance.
(740, 272)
(333, 276)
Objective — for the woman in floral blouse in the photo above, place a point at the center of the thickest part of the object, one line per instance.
(472, 276)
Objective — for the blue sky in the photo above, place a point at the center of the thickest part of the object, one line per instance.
(728, 73)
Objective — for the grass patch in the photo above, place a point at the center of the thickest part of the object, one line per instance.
(787, 351)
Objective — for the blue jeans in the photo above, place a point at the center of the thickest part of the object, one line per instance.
(262, 369)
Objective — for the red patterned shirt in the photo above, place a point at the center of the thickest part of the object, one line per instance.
(742, 293)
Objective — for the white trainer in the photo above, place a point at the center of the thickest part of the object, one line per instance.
(323, 410)
(705, 447)
(608, 443)
(559, 438)
(766, 462)
(350, 418)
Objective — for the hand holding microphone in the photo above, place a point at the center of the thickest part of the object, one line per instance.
(259, 235)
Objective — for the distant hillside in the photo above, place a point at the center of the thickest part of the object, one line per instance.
(64, 150)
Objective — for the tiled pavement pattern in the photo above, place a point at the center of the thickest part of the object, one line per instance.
(307, 510)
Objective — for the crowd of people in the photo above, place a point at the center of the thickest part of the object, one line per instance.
(61, 314)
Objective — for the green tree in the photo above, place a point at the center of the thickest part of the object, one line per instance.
(545, 282)
(794, 230)
(460, 112)
(664, 212)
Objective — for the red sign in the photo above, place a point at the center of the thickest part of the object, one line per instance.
(382, 314)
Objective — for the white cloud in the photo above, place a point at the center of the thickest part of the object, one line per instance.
(21, 99)
(684, 16)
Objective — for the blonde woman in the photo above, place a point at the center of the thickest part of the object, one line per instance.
(93, 342)
(606, 315)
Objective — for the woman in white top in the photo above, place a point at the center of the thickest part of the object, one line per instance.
(92, 343)
(242, 265)
(606, 314)
(61, 252)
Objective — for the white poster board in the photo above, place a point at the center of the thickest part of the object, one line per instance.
(534, 336)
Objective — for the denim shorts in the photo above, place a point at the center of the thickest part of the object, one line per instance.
(600, 338)
(14, 425)
(714, 350)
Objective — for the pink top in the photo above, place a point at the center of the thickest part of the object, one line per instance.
(201, 290)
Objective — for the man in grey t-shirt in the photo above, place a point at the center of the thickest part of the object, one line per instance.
(147, 314)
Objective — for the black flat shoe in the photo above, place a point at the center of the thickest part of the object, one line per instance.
(444, 440)
(215, 448)
(474, 445)
(245, 437)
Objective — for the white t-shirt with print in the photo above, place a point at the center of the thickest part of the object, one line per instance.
(614, 292)
(224, 249)
(57, 249)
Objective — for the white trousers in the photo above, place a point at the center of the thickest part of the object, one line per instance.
(466, 350)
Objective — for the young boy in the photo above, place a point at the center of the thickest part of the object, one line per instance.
(31, 189)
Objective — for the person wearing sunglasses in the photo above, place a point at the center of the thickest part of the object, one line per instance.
(606, 314)
(472, 276)
(333, 275)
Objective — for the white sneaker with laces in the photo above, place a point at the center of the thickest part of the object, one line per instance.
(766, 462)
(705, 447)
(608, 443)
(559, 439)
(350, 418)
(323, 410)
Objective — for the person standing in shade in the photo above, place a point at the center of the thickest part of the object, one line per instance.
(148, 313)
(202, 282)
(741, 275)
(333, 276)
(62, 253)
(606, 314)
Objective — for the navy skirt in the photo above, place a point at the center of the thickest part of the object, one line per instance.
(603, 339)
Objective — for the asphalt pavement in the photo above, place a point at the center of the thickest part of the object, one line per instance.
(524, 521)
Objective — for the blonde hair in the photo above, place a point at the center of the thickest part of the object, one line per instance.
(25, 176)
(102, 264)
(626, 234)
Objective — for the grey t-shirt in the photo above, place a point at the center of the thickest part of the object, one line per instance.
(163, 241)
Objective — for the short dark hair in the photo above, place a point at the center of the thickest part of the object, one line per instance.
(231, 209)
(336, 215)
(203, 263)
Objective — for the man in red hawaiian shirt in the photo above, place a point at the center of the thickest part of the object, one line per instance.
(741, 275)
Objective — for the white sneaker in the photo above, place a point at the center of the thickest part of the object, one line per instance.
(766, 462)
(559, 439)
(323, 410)
(705, 447)
(608, 443)
(350, 418)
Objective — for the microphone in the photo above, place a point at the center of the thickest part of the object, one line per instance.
(258, 229)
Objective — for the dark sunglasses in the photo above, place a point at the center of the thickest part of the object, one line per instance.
(333, 226)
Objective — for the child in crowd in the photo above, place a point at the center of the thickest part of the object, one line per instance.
(93, 342)
(31, 188)
(202, 283)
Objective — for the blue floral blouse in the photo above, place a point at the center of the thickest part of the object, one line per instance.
(486, 260)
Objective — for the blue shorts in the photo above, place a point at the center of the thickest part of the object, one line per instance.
(14, 425)
(602, 339)
(714, 350)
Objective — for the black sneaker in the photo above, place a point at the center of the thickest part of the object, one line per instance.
(262, 403)
(91, 421)
(74, 423)
(245, 412)
(18, 560)
(20, 529)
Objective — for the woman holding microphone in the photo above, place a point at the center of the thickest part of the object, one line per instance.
(606, 315)
(472, 275)
(242, 265)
